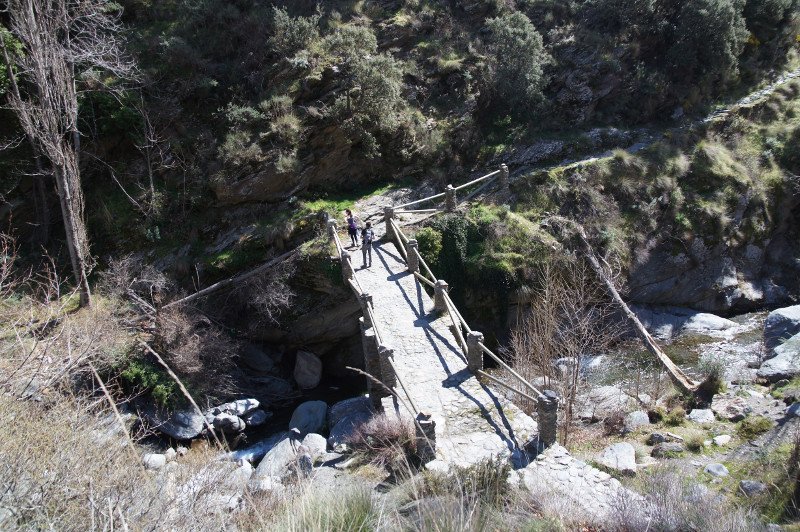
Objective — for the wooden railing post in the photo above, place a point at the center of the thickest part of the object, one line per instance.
(547, 408)
(426, 437)
(413, 258)
(474, 351)
(450, 198)
(365, 300)
(503, 178)
(439, 290)
(388, 214)
(347, 266)
(387, 372)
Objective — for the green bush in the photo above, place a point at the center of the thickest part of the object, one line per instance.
(675, 417)
(430, 246)
(517, 57)
(141, 376)
(292, 34)
(349, 43)
(752, 426)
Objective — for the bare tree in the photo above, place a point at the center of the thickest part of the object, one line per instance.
(61, 39)
(569, 319)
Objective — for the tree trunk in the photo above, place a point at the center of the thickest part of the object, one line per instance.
(77, 243)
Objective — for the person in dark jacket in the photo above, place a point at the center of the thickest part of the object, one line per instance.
(352, 227)
(367, 235)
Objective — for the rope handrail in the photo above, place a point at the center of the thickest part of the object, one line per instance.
(338, 242)
(502, 383)
(424, 279)
(422, 200)
(414, 409)
(458, 314)
(510, 370)
(400, 234)
(476, 191)
(371, 316)
(478, 180)
(456, 326)
(356, 286)
(424, 265)
(416, 211)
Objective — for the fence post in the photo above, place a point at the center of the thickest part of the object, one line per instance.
(426, 437)
(413, 259)
(372, 363)
(547, 408)
(331, 228)
(365, 300)
(388, 214)
(503, 177)
(439, 290)
(384, 354)
(474, 351)
(450, 198)
(347, 267)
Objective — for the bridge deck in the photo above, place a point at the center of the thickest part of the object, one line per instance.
(473, 421)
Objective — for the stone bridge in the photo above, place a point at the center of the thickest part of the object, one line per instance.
(426, 363)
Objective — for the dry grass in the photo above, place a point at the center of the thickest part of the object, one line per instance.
(385, 442)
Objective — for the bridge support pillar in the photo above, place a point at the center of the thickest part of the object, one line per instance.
(347, 267)
(439, 290)
(388, 214)
(474, 351)
(450, 198)
(503, 179)
(387, 372)
(413, 259)
(426, 437)
(547, 408)
(372, 363)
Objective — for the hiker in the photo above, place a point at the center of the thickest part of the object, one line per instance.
(352, 228)
(366, 243)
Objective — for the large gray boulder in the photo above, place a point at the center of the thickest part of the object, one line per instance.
(182, 424)
(635, 420)
(780, 325)
(785, 362)
(619, 457)
(667, 322)
(256, 417)
(276, 464)
(310, 416)
(604, 401)
(701, 415)
(307, 370)
(254, 452)
(256, 359)
(345, 417)
(229, 423)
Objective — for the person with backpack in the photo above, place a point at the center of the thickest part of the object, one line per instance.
(367, 235)
(352, 228)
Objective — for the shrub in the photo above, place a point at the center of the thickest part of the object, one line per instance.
(752, 426)
(430, 246)
(385, 442)
(380, 81)
(350, 42)
(675, 417)
(516, 61)
(695, 443)
(140, 376)
(292, 34)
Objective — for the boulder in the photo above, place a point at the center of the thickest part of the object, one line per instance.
(228, 423)
(154, 461)
(307, 370)
(635, 420)
(310, 416)
(619, 457)
(275, 464)
(180, 424)
(785, 363)
(256, 417)
(237, 408)
(216, 488)
(716, 470)
(254, 452)
(721, 440)
(170, 454)
(793, 410)
(272, 389)
(345, 417)
(751, 488)
(668, 322)
(730, 408)
(665, 449)
(604, 401)
(256, 359)
(780, 325)
(656, 438)
(315, 445)
(701, 415)
(354, 405)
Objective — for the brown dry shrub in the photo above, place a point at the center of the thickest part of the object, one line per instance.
(384, 441)
(199, 351)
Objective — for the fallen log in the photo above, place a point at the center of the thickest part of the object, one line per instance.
(231, 281)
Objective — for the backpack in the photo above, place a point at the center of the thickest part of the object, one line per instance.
(366, 235)
(351, 223)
